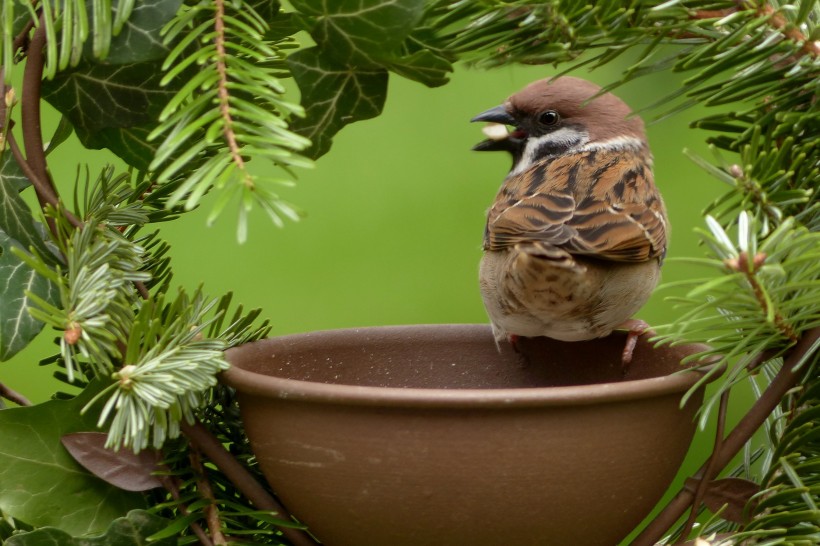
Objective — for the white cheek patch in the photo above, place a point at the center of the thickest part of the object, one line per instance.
(563, 139)
(614, 144)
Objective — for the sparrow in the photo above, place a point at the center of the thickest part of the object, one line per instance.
(576, 236)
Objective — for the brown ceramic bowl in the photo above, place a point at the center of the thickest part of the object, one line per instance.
(431, 436)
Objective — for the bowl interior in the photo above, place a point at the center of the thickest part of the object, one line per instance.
(451, 357)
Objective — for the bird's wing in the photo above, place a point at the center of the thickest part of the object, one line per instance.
(596, 203)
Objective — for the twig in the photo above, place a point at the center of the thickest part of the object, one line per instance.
(713, 13)
(34, 165)
(710, 472)
(784, 381)
(172, 486)
(30, 111)
(749, 268)
(202, 439)
(205, 491)
(14, 396)
(779, 22)
(222, 90)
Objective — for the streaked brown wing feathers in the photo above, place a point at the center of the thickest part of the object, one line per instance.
(597, 203)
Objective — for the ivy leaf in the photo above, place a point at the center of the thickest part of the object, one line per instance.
(61, 134)
(100, 96)
(140, 40)
(16, 219)
(131, 530)
(728, 496)
(131, 144)
(17, 326)
(18, 229)
(334, 95)
(423, 66)
(344, 78)
(111, 106)
(11, 175)
(124, 468)
(359, 32)
(41, 484)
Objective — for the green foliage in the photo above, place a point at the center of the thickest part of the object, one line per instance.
(169, 367)
(343, 78)
(96, 295)
(787, 511)
(189, 93)
(18, 230)
(231, 109)
(764, 293)
(131, 530)
(42, 485)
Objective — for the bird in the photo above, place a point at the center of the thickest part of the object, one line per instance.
(576, 236)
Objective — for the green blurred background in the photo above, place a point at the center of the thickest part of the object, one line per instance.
(395, 215)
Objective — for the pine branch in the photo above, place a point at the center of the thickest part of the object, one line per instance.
(789, 375)
(231, 109)
(223, 93)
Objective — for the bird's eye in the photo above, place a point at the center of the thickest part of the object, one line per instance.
(550, 117)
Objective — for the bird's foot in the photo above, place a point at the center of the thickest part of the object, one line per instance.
(635, 328)
(513, 340)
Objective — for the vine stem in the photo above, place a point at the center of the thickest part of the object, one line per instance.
(171, 484)
(202, 439)
(14, 396)
(34, 165)
(710, 472)
(205, 490)
(787, 377)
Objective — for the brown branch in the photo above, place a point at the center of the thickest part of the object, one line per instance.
(710, 472)
(205, 491)
(749, 269)
(202, 439)
(713, 13)
(222, 89)
(30, 111)
(171, 484)
(14, 396)
(34, 165)
(779, 22)
(784, 381)
(776, 20)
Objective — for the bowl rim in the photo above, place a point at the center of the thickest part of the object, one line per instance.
(268, 386)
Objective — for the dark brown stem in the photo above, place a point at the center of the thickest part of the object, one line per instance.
(172, 486)
(14, 396)
(784, 381)
(713, 13)
(711, 472)
(202, 439)
(779, 22)
(205, 491)
(34, 165)
(30, 112)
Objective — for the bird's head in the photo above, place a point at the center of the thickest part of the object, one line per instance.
(553, 117)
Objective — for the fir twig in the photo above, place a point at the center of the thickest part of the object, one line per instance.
(786, 378)
(224, 95)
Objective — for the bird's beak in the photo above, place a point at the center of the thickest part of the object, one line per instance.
(499, 138)
(498, 114)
